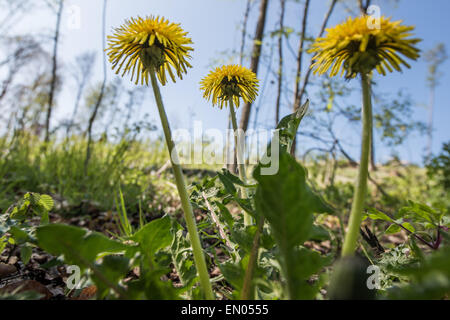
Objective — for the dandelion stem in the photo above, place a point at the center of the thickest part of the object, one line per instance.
(199, 258)
(361, 183)
(240, 158)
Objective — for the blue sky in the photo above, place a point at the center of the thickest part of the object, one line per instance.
(213, 27)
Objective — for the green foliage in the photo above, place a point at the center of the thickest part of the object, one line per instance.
(428, 279)
(60, 171)
(182, 257)
(439, 167)
(14, 226)
(417, 269)
(79, 246)
(288, 204)
(395, 259)
(154, 236)
(424, 223)
(288, 127)
(108, 261)
(32, 204)
(393, 118)
(295, 237)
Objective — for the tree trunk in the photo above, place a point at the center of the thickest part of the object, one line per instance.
(430, 124)
(280, 61)
(75, 110)
(254, 63)
(256, 52)
(54, 68)
(232, 166)
(100, 96)
(298, 102)
(300, 56)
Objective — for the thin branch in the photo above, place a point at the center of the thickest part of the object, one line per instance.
(244, 32)
(300, 54)
(280, 60)
(308, 72)
(411, 233)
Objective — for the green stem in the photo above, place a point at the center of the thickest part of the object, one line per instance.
(240, 159)
(361, 183)
(247, 292)
(199, 258)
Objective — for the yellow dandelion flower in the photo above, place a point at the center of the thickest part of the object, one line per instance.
(230, 82)
(356, 46)
(152, 43)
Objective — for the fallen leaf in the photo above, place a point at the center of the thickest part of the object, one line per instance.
(28, 285)
(6, 270)
(87, 293)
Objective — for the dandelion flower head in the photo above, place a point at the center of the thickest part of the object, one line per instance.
(358, 46)
(151, 44)
(230, 82)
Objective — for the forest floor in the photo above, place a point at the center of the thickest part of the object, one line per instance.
(45, 275)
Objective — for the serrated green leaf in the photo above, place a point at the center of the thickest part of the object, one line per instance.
(227, 183)
(182, 257)
(154, 235)
(225, 214)
(420, 212)
(46, 201)
(429, 279)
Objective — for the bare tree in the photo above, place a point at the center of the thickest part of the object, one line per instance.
(24, 51)
(116, 87)
(100, 96)
(280, 60)
(299, 97)
(54, 69)
(232, 166)
(254, 62)
(308, 72)
(435, 58)
(244, 31)
(12, 11)
(300, 55)
(135, 98)
(82, 72)
(363, 6)
(30, 101)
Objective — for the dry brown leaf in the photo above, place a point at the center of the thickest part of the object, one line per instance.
(28, 285)
(6, 270)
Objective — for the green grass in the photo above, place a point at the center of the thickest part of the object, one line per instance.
(26, 165)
